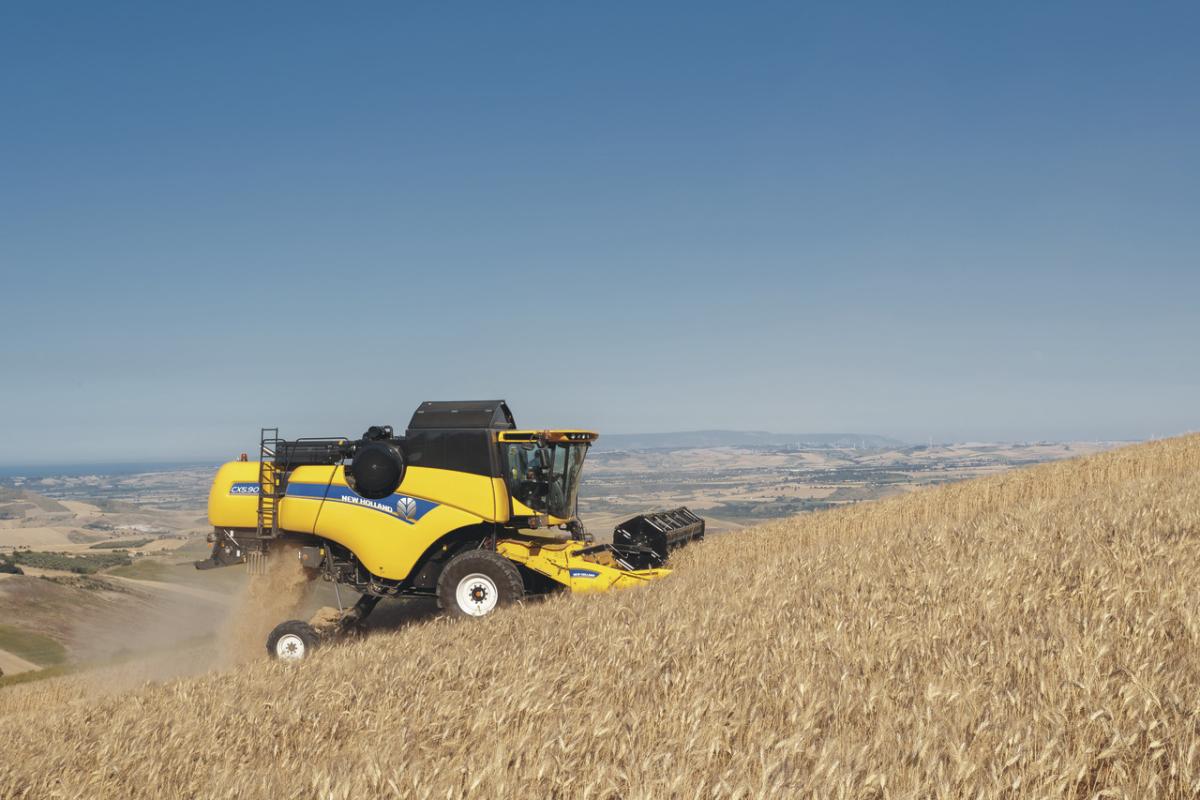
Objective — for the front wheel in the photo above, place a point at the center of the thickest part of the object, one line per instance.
(475, 583)
(292, 640)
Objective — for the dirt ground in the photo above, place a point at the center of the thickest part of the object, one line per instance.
(11, 664)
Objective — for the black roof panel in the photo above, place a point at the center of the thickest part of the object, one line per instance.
(460, 414)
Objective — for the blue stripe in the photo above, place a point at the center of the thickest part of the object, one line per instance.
(400, 506)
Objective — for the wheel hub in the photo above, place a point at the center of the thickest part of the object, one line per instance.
(477, 595)
(290, 647)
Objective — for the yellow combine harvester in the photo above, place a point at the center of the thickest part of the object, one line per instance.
(464, 507)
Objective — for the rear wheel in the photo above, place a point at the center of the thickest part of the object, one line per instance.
(477, 582)
(292, 640)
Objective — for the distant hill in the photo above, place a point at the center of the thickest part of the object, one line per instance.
(689, 439)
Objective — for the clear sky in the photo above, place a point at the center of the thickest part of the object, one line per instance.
(953, 220)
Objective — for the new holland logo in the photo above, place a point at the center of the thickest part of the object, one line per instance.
(406, 507)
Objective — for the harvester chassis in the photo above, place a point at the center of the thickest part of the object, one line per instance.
(487, 515)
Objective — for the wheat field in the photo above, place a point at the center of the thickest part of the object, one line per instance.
(1028, 635)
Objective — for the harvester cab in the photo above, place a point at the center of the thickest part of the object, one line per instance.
(464, 507)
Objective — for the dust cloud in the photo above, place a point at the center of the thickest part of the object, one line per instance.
(142, 634)
(264, 602)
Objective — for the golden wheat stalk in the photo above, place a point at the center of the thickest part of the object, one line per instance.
(1032, 634)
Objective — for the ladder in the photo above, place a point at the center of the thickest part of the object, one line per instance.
(269, 489)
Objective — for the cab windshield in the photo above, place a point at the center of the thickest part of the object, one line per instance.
(545, 477)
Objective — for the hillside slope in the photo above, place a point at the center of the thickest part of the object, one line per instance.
(1034, 633)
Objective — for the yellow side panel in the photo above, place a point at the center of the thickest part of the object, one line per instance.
(391, 534)
(233, 497)
(521, 510)
(500, 491)
(475, 494)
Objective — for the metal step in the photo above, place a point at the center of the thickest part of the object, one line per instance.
(268, 482)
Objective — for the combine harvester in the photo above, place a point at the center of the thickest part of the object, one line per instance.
(464, 507)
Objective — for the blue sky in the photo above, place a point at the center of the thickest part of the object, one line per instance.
(921, 220)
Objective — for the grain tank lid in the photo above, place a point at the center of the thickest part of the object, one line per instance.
(460, 414)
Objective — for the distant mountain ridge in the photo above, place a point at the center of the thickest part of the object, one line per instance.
(719, 438)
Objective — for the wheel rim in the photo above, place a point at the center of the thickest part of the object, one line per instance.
(477, 594)
(290, 647)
